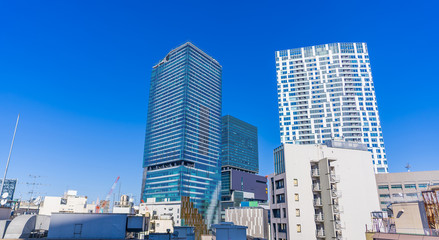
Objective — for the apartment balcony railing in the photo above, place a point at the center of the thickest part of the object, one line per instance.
(334, 178)
(315, 172)
(317, 202)
(337, 209)
(320, 233)
(316, 187)
(335, 193)
(318, 217)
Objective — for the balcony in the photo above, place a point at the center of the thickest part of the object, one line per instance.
(315, 172)
(335, 193)
(320, 233)
(318, 217)
(337, 209)
(316, 187)
(317, 202)
(334, 178)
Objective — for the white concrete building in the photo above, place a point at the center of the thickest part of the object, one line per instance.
(159, 209)
(327, 91)
(254, 218)
(69, 203)
(321, 192)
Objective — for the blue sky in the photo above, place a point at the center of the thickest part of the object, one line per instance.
(78, 73)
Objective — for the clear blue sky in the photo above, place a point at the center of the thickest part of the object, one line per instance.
(78, 72)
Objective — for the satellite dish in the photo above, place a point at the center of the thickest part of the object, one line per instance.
(5, 195)
(37, 200)
(3, 201)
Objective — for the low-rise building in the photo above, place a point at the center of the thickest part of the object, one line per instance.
(125, 205)
(254, 218)
(322, 192)
(228, 231)
(159, 209)
(69, 203)
(404, 186)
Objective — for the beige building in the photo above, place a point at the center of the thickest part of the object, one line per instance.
(410, 218)
(404, 186)
(69, 203)
(322, 191)
(255, 218)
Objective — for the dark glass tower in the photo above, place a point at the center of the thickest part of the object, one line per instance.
(182, 141)
(240, 164)
(239, 145)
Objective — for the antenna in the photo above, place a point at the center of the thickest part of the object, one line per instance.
(31, 192)
(408, 167)
(9, 157)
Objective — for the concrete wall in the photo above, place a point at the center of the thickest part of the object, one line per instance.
(255, 218)
(410, 218)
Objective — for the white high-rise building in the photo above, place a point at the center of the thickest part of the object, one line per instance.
(326, 92)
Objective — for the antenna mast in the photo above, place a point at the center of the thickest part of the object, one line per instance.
(408, 166)
(9, 157)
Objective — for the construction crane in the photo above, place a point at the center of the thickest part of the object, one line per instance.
(107, 198)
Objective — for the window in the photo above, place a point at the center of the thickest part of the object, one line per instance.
(299, 228)
(384, 196)
(297, 212)
(280, 198)
(396, 186)
(276, 213)
(285, 212)
(296, 197)
(410, 186)
(383, 186)
(296, 182)
(422, 185)
(280, 184)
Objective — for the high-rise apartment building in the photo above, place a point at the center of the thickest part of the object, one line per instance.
(322, 191)
(327, 91)
(183, 132)
(239, 145)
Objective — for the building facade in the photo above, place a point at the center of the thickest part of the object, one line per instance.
(321, 192)
(70, 202)
(239, 145)
(254, 218)
(183, 132)
(404, 186)
(238, 186)
(240, 164)
(327, 91)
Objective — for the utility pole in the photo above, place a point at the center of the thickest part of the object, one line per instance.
(9, 157)
(33, 184)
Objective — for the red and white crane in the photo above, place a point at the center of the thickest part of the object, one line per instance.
(107, 198)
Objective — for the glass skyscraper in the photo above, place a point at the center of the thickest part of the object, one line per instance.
(239, 145)
(326, 92)
(182, 141)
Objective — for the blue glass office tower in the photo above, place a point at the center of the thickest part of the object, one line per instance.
(182, 141)
(239, 145)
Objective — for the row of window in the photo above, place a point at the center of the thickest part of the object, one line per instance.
(406, 186)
